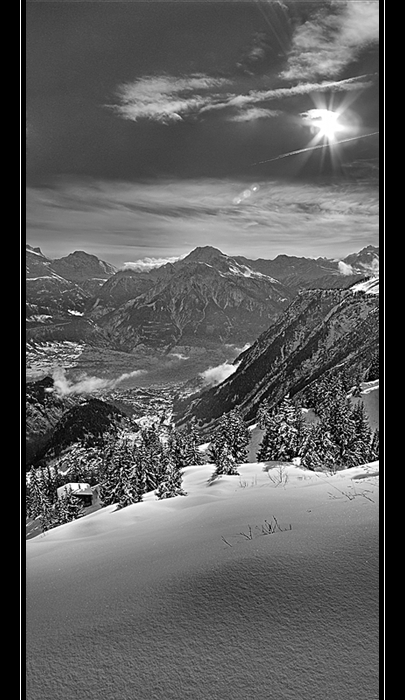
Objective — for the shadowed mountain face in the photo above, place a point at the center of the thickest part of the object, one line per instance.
(319, 331)
(57, 292)
(55, 422)
(80, 267)
(199, 303)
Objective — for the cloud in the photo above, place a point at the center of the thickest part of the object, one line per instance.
(146, 264)
(168, 99)
(257, 96)
(86, 385)
(162, 220)
(345, 269)
(216, 375)
(253, 114)
(323, 45)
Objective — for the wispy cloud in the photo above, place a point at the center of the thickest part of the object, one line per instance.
(146, 264)
(167, 99)
(86, 385)
(259, 96)
(167, 219)
(254, 113)
(331, 39)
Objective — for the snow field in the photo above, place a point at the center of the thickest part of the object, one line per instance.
(173, 600)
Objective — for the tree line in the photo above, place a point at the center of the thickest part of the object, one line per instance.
(126, 466)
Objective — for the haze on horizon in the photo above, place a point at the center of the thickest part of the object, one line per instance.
(148, 134)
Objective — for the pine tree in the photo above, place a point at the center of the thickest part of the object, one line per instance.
(170, 485)
(283, 432)
(113, 485)
(375, 446)
(269, 446)
(225, 463)
(193, 454)
(123, 493)
(318, 452)
(46, 514)
(373, 371)
(138, 475)
(361, 447)
(339, 422)
(177, 446)
(68, 507)
(233, 434)
(39, 502)
(263, 414)
(153, 455)
(34, 494)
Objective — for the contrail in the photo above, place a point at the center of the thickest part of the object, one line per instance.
(314, 148)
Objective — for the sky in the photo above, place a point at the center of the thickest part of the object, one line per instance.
(156, 127)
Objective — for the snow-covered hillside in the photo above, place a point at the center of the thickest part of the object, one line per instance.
(204, 597)
(370, 286)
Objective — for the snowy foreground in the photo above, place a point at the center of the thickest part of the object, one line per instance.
(168, 600)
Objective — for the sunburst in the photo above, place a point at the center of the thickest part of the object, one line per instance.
(325, 122)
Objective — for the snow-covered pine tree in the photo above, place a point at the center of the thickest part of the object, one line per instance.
(338, 420)
(283, 432)
(139, 474)
(176, 445)
(35, 493)
(68, 507)
(153, 451)
(46, 514)
(124, 493)
(225, 463)
(48, 483)
(193, 454)
(318, 452)
(232, 433)
(113, 486)
(263, 414)
(375, 446)
(170, 485)
(269, 446)
(361, 447)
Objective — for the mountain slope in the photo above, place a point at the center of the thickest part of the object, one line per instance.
(197, 302)
(80, 267)
(203, 300)
(306, 273)
(54, 422)
(320, 330)
(57, 292)
(44, 409)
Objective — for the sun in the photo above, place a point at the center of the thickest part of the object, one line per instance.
(324, 122)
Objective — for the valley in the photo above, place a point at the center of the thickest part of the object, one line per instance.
(195, 338)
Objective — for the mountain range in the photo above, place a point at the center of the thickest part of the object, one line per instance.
(205, 299)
